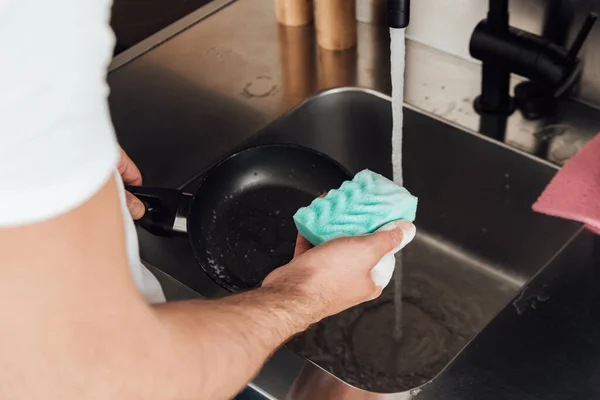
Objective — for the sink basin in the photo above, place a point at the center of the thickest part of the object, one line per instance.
(478, 242)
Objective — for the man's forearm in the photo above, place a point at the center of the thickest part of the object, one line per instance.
(77, 339)
(228, 340)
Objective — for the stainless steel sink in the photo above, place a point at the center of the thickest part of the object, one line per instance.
(478, 242)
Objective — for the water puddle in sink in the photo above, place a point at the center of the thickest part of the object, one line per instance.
(398, 61)
(448, 296)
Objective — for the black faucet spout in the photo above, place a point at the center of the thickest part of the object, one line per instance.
(398, 13)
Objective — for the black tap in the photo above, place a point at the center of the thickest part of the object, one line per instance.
(551, 69)
(398, 13)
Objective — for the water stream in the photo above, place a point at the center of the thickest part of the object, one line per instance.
(398, 56)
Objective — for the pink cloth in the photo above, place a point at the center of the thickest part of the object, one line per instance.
(574, 193)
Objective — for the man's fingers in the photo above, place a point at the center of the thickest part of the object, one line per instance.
(302, 246)
(135, 206)
(129, 171)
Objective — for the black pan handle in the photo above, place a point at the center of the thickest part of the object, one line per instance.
(163, 209)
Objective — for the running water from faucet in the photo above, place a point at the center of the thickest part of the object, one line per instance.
(398, 55)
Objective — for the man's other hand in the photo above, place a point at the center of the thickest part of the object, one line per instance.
(131, 176)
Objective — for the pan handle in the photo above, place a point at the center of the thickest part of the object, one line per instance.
(166, 209)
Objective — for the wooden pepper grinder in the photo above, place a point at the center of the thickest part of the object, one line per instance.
(336, 24)
(294, 12)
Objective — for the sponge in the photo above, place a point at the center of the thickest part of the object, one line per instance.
(359, 207)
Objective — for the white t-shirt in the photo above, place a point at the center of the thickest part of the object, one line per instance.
(57, 143)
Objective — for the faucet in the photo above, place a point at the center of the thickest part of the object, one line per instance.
(398, 13)
(552, 71)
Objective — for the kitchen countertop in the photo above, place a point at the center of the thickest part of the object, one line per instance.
(181, 101)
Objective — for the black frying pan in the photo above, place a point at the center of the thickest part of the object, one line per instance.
(239, 221)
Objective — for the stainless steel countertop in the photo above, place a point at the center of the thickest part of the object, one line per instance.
(206, 87)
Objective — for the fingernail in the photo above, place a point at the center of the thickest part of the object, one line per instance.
(136, 208)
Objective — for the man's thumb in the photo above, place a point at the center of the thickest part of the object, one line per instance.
(393, 237)
(135, 206)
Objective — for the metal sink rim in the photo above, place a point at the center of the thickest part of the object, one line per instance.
(384, 96)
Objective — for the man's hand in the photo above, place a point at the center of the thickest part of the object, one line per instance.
(131, 176)
(336, 275)
(111, 334)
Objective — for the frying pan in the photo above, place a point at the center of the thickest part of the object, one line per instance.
(239, 222)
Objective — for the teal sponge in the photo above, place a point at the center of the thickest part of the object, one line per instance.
(358, 207)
